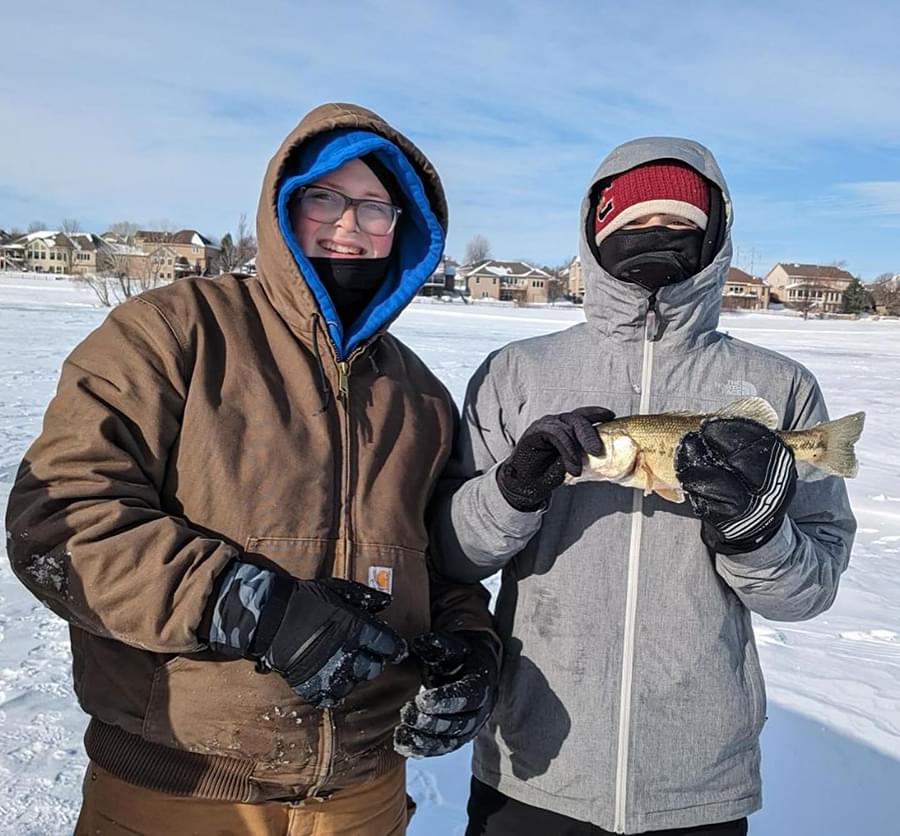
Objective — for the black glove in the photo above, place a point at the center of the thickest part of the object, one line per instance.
(740, 478)
(551, 447)
(327, 642)
(318, 634)
(460, 674)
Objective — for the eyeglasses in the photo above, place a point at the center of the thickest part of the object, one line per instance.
(326, 205)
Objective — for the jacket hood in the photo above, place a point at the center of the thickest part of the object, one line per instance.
(687, 310)
(326, 138)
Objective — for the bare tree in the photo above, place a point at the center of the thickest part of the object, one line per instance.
(101, 286)
(71, 225)
(126, 271)
(555, 289)
(235, 252)
(478, 249)
(36, 226)
(124, 230)
(886, 292)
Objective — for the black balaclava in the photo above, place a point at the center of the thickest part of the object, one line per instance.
(353, 282)
(652, 257)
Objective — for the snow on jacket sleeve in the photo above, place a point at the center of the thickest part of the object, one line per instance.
(795, 575)
(86, 532)
(474, 530)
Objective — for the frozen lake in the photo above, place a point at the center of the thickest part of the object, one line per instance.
(832, 742)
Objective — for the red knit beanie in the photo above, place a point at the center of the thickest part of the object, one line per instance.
(661, 187)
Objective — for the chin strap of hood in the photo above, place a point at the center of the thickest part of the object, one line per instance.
(418, 240)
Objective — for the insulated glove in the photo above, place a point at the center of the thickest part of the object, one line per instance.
(740, 478)
(551, 447)
(320, 635)
(460, 674)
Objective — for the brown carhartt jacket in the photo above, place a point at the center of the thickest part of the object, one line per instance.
(212, 419)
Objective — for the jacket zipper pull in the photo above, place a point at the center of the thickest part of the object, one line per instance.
(652, 320)
(343, 379)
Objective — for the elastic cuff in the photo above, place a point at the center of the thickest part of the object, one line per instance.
(271, 615)
(770, 553)
(240, 600)
(513, 505)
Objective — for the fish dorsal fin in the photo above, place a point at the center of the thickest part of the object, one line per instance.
(757, 409)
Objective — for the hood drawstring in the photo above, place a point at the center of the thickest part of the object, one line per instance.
(325, 389)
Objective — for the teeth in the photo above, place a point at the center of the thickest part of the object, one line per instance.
(340, 248)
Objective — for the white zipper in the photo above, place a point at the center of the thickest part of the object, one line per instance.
(631, 591)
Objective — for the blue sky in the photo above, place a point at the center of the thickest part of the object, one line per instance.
(169, 111)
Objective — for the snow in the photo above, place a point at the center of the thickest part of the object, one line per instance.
(831, 747)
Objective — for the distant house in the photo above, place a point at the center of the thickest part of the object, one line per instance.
(194, 253)
(51, 251)
(572, 280)
(87, 256)
(7, 261)
(442, 280)
(809, 287)
(42, 251)
(161, 264)
(509, 281)
(742, 291)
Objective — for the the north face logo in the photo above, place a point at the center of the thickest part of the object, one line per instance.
(604, 210)
(739, 388)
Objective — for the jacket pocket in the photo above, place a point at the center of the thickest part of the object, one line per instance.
(403, 574)
(757, 686)
(209, 706)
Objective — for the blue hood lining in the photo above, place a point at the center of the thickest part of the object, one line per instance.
(418, 241)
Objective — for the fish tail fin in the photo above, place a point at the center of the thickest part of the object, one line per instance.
(758, 409)
(839, 457)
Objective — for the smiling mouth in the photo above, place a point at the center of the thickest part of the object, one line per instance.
(341, 249)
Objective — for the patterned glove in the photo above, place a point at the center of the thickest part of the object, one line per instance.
(740, 478)
(551, 447)
(460, 674)
(320, 635)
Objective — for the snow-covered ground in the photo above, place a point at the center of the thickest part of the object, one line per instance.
(832, 743)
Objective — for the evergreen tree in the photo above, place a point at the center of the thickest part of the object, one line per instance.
(856, 298)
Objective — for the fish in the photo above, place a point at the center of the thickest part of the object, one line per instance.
(639, 450)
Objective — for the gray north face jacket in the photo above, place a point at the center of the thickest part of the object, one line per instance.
(631, 694)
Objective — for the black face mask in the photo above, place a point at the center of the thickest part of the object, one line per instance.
(653, 257)
(351, 282)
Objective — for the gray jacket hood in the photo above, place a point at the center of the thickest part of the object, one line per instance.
(688, 311)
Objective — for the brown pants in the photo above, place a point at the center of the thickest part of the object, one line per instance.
(113, 807)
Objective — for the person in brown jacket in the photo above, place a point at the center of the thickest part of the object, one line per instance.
(227, 504)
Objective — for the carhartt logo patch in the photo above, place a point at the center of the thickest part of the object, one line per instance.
(381, 578)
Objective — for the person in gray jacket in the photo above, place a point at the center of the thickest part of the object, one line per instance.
(632, 698)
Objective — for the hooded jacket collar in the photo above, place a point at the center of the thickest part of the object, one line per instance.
(689, 311)
(324, 140)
